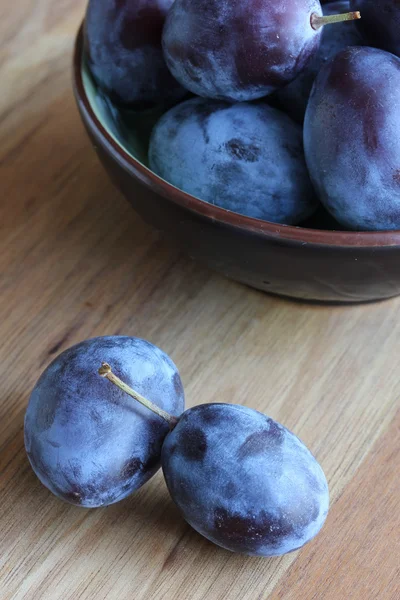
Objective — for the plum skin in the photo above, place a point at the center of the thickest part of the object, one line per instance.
(352, 141)
(380, 23)
(293, 98)
(87, 441)
(235, 51)
(123, 49)
(247, 158)
(244, 481)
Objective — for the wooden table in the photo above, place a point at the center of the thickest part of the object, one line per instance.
(77, 262)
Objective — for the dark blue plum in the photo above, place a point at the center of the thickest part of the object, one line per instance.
(247, 158)
(238, 51)
(352, 138)
(86, 440)
(123, 49)
(380, 23)
(243, 481)
(293, 97)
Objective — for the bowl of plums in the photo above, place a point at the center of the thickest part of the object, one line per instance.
(262, 136)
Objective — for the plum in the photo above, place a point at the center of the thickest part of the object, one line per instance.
(123, 49)
(247, 158)
(293, 97)
(86, 441)
(244, 481)
(352, 138)
(238, 51)
(380, 23)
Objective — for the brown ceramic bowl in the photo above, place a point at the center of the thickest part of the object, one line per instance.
(305, 263)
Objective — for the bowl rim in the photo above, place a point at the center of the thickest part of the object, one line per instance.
(368, 239)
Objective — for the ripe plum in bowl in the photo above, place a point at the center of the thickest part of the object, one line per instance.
(305, 262)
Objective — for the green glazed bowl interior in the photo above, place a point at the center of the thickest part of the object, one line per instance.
(129, 130)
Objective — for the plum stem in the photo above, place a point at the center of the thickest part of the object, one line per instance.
(317, 21)
(106, 371)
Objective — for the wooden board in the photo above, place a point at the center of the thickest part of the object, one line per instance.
(75, 262)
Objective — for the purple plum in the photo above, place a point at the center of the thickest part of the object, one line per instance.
(123, 49)
(380, 23)
(352, 138)
(237, 51)
(293, 97)
(246, 158)
(86, 440)
(244, 481)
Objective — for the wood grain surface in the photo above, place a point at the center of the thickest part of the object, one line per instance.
(75, 262)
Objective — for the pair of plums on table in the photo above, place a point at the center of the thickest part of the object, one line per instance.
(232, 146)
(239, 478)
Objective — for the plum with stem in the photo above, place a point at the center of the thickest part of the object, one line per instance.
(85, 441)
(238, 51)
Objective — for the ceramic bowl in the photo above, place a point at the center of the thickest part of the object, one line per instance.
(299, 262)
